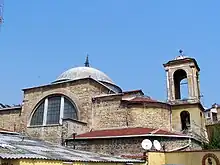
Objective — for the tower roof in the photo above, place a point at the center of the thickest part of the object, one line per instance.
(182, 60)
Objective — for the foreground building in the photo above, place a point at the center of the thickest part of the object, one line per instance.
(22, 150)
(84, 108)
(204, 157)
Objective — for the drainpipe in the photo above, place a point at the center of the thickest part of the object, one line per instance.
(74, 137)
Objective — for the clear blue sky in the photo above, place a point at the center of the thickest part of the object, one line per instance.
(128, 40)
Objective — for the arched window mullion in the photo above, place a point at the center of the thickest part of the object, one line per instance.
(45, 111)
(53, 110)
(61, 110)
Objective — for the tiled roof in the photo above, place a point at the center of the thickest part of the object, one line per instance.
(146, 100)
(142, 99)
(126, 132)
(20, 147)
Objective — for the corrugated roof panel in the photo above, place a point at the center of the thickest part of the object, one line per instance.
(21, 156)
(25, 148)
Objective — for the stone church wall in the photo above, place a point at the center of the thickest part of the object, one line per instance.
(10, 119)
(150, 117)
(109, 114)
(48, 133)
(127, 146)
(114, 114)
(80, 92)
(57, 133)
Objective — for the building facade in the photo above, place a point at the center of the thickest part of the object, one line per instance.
(83, 100)
(212, 114)
(17, 149)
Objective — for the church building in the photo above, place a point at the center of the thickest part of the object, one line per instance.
(84, 109)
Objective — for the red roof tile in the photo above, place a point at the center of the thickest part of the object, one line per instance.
(142, 99)
(124, 132)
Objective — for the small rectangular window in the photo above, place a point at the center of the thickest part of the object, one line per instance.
(208, 114)
(214, 116)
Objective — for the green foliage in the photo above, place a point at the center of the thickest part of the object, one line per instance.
(214, 142)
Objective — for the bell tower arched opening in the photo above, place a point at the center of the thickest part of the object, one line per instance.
(185, 120)
(182, 80)
(180, 84)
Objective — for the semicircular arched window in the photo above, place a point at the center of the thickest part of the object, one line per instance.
(52, 110)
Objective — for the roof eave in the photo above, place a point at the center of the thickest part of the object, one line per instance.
(127, 136)
(68, 81)
(173, 62)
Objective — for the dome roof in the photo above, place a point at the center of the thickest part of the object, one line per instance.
(84, 72)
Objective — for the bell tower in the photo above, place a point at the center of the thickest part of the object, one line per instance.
(182, 68)
(187, 113)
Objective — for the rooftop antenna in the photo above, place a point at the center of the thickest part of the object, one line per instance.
(87, 61)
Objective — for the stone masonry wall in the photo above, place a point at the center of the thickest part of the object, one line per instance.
(112, 114)
(80, 92)
(9, 119)
(56, 133)
(71, 127)
(139, 116)
(127, 146)
(109, 114)
(48, 133)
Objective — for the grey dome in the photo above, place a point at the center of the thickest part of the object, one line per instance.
(84, 72)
